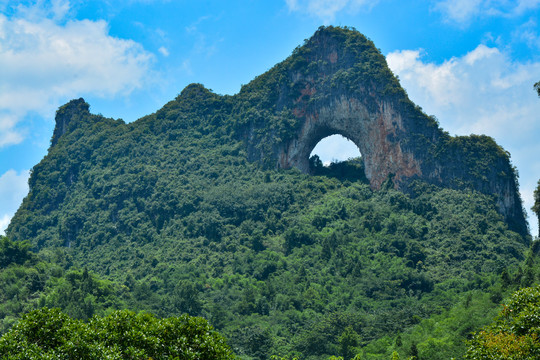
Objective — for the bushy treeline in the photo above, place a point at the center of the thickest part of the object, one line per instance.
(45, 333)
(389, 270)
(178, 221)
(50, 334)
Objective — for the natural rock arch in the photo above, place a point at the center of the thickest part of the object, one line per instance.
(376, 134)
(339, 83)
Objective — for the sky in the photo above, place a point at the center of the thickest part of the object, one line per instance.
(470, 63)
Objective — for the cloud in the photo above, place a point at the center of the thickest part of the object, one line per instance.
(54, 9)
(463, 11)
(8, 135)
(194, 26)
(4, 222)
(459, 10)
(163, 51)
(45, 61)
(527, 34)
(326, 10)
(186, 67)
(482, 92)
(13, 188)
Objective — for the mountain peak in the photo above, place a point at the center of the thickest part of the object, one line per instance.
(67, 117)
(195, 91)
(338, 83)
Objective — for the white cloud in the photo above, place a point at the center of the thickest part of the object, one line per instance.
(4, 222)
(527, 34)
(44, 62)
(8, 135)
(459, 10)
(194, 26)
(463, 11)
(163, 51)
(482, 92)
(327, 9)
(525, 5)
(35, 9)
(13, 188)
(186, 67)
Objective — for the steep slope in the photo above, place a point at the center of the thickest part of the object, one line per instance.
(203, 207)
(339, 83)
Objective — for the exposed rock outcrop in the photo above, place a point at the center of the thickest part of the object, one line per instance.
(67, 116)
(339, 83)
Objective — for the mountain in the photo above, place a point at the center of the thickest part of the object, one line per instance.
(339, 83)
(211, 206)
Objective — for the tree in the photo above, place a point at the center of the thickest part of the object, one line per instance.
(536, 206)
(514, 333)
(414, 352)
(348, 341)
(537, 87)
(49, 333)
(14, 252)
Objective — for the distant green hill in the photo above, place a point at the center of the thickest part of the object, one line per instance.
(192, 210)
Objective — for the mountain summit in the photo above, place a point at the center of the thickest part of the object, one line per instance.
(339, 83)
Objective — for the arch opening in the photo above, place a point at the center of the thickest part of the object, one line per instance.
(337, 156)
(335, 148)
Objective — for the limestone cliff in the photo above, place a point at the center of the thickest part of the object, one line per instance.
(339, 83)
(68, 116)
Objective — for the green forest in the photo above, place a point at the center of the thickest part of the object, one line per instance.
(166, 227)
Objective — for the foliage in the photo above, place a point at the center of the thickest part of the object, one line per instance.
(169, 215)
(50, 334)
(14, 252)
(39, 283)
(514, 334)
(287, 271)
(536, 206)
(537, 87)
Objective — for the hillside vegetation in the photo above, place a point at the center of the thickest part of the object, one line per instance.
(168, 215)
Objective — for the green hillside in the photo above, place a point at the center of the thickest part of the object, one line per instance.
(170, 214)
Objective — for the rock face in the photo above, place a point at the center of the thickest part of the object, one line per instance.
(377, 135)
(66, 116)
(339, 83)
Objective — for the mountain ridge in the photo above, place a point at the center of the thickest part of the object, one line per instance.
(339, 83)
(188, 210)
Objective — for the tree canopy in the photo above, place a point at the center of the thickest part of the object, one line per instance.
(514, 333)
(50, 334)
(536, 206)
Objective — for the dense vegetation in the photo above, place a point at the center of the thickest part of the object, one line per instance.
(536, 206)
(168, 215)
(291, 281)
(514, 334)
(50, 334)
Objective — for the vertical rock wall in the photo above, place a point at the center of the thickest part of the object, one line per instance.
(339, 83)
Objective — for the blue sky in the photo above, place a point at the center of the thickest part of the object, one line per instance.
(471, 63)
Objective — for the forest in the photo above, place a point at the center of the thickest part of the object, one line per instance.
(167, 224)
